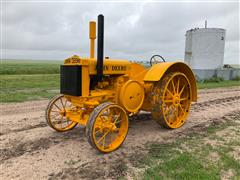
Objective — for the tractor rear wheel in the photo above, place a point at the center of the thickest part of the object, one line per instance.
(172, 100)
(56, 114)
(107, 127)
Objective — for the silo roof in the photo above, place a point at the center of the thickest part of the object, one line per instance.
(206, 30)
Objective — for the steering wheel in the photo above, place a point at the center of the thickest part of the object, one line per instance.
(156, 59)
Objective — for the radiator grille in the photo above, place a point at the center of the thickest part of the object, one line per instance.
(71, 80)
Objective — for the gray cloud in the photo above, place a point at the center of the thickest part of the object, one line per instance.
(134, 31)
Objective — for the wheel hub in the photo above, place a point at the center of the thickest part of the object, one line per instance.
(106, 126)
(176, 100)
(110, 126)
(63, 113)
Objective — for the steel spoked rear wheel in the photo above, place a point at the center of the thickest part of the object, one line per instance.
(107, 127)
(56, 114)
(172, 100)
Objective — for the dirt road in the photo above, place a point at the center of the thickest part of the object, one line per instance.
(32, 150)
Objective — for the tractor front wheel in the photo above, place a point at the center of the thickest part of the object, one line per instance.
(107, 127)
(56, 114)
(172, 100)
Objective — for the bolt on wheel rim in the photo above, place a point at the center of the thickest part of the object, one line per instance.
(110, 128)
(57, 114)
(176, 100)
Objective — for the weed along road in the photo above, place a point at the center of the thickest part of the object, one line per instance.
(32, 150)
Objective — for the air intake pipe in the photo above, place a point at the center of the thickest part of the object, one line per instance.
(100, 47)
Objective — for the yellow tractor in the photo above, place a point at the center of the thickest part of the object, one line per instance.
(101, 93)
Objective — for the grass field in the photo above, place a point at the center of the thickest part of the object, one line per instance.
(33, 80)
(24, 80)
(209, 85)
(18, 88)
(29, 67)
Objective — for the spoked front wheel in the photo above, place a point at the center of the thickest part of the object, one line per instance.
(172, 100)
(107, 127)
(56, 114)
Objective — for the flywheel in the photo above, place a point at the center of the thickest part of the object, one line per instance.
(132, 96)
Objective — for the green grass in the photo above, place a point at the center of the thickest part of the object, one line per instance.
(18, 88)
(190, 157)
(210, 85)
(184, 166)
(29, 67)
(23, 80)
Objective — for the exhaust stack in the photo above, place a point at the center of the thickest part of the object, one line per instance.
(100, 47)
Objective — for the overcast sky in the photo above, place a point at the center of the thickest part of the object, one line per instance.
(133, 31)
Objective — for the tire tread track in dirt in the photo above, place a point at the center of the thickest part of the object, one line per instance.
(42, 143)
(25, 145)
(28, 127)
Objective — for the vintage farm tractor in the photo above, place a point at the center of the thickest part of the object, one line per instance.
(102, 93)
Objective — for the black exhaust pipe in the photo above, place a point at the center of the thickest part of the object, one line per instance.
(100, 48)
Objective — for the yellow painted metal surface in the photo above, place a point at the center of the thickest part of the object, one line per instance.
(156, 72)
(137, 72)
(95, 98)
(110, 66)
(132, 96)
(85, 80)
(77, 116)
(92, 37)
(92, 30)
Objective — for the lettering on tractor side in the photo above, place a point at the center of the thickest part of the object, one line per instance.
(101, 94)
(119, 68)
